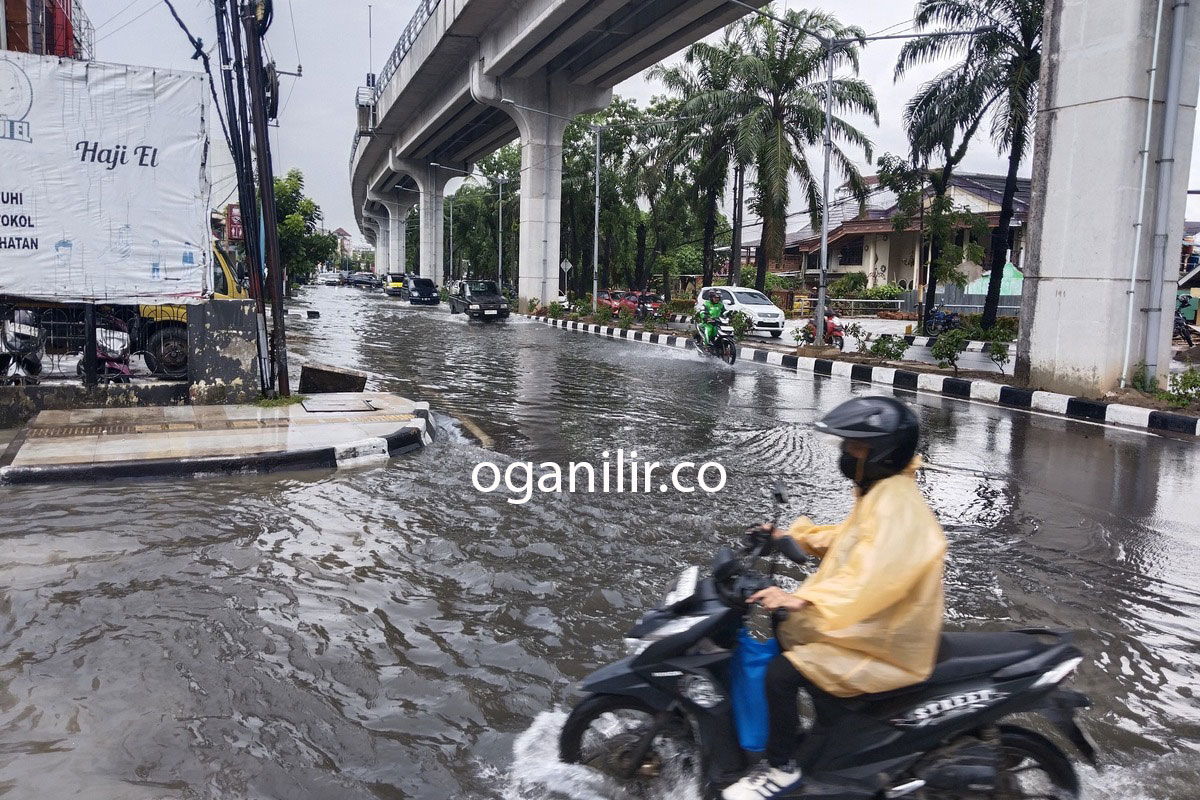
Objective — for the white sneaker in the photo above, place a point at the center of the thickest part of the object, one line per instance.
(762, 782)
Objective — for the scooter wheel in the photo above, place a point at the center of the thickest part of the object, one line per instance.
(603, 731)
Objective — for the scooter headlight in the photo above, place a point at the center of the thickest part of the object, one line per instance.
(701, 690)
(111, 343)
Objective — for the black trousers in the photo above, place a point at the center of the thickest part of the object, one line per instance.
(784, 683)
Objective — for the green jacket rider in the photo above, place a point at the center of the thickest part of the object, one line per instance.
(710, 315)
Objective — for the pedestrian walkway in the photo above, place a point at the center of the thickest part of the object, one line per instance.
(324, 430)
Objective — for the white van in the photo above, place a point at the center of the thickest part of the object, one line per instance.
(764, 315)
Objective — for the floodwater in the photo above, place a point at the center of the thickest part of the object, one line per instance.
(393, 633)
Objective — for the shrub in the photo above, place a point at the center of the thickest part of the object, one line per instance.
(531, 306)
(889, 347)
(444, 294)
(573, 316)
(625, 319)
(681, 305)
(861, 337)
(848, 285)
(884, 291)
(1183, 388)
(948, 347)
(604, 315)
(555, 310)
(998, 351)
(650, 323)
(1142, 380)
(740, 324)
(1005, 326)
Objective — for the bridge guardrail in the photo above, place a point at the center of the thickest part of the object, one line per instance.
(424, 11)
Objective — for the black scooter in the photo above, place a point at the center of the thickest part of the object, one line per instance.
(723, 345)
(665, 708)
(1182, 330)
(22, 345)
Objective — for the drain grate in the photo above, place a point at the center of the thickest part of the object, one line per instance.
(55, 431)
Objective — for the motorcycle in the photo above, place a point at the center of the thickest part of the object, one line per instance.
(112, 351)
(723, 345)
(22, 344)
(1182, 329)
(664, 709)
(940, 320)
(835, 333)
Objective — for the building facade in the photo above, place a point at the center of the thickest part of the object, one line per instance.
(863, 238)
(47, 28)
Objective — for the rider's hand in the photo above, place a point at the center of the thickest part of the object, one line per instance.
(773, 597)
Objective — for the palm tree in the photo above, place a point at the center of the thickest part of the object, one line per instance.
(941, 119)
(697, 141)
(776, 100)
(1001, 54)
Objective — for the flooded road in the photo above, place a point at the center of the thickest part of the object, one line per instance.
(393, 633)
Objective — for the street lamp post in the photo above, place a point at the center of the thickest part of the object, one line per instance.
(596, 228)
(500, 181)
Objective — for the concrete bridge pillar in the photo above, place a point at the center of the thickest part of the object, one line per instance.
(431, 181)
(372, 228)
(1084, 219)
(541, 106)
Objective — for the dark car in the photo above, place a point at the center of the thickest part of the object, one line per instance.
(478, 300)
(418, 290)
(364, 280)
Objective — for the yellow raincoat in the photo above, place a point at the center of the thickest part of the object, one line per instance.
(877, 601)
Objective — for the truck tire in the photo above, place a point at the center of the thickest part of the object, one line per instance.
(167, 352)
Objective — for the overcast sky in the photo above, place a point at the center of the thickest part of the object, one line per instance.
(318, 118)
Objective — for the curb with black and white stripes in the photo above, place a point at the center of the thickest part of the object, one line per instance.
(1051, 403)
(916, 341)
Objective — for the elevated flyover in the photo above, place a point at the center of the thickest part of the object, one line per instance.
(468, 76)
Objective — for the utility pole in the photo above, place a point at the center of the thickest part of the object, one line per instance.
(240, 143)
(596, 228)
(266, 184)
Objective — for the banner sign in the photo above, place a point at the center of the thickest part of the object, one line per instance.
(104, 186)
(233, 223)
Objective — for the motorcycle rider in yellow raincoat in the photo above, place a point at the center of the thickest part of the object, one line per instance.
(869, 619)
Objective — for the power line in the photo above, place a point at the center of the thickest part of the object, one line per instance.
(127, 24)
(109, 21)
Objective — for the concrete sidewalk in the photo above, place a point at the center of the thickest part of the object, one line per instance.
(326, 430)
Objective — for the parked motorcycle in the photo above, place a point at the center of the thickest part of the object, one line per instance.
(723, 345)
(940, 320)
(1182, 329)
(22, 345)
(112, 351)
(663, 712)
(835, 333)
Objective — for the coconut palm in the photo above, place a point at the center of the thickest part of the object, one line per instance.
(1000, 53)
(776, 104)
(705, 143)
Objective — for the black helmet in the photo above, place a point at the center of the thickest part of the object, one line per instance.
(886, 426)
(712, 294)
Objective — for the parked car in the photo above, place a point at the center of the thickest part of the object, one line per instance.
(765, 316)
(610, 298)
(638, 300)
(331, 279)
(365, 280)
(420, 291)
(394, 285)
(478, 300)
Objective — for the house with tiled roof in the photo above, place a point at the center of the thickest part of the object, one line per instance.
(863, 238)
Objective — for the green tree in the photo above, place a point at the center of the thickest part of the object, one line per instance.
(1001, 61)
(777, 97)
(302, 246)
(701, 139)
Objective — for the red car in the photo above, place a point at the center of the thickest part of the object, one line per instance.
(632, 300)
(610, 298)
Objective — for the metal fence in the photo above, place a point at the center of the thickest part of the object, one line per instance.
(42, 342)
(407, 39)
(955, 299)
